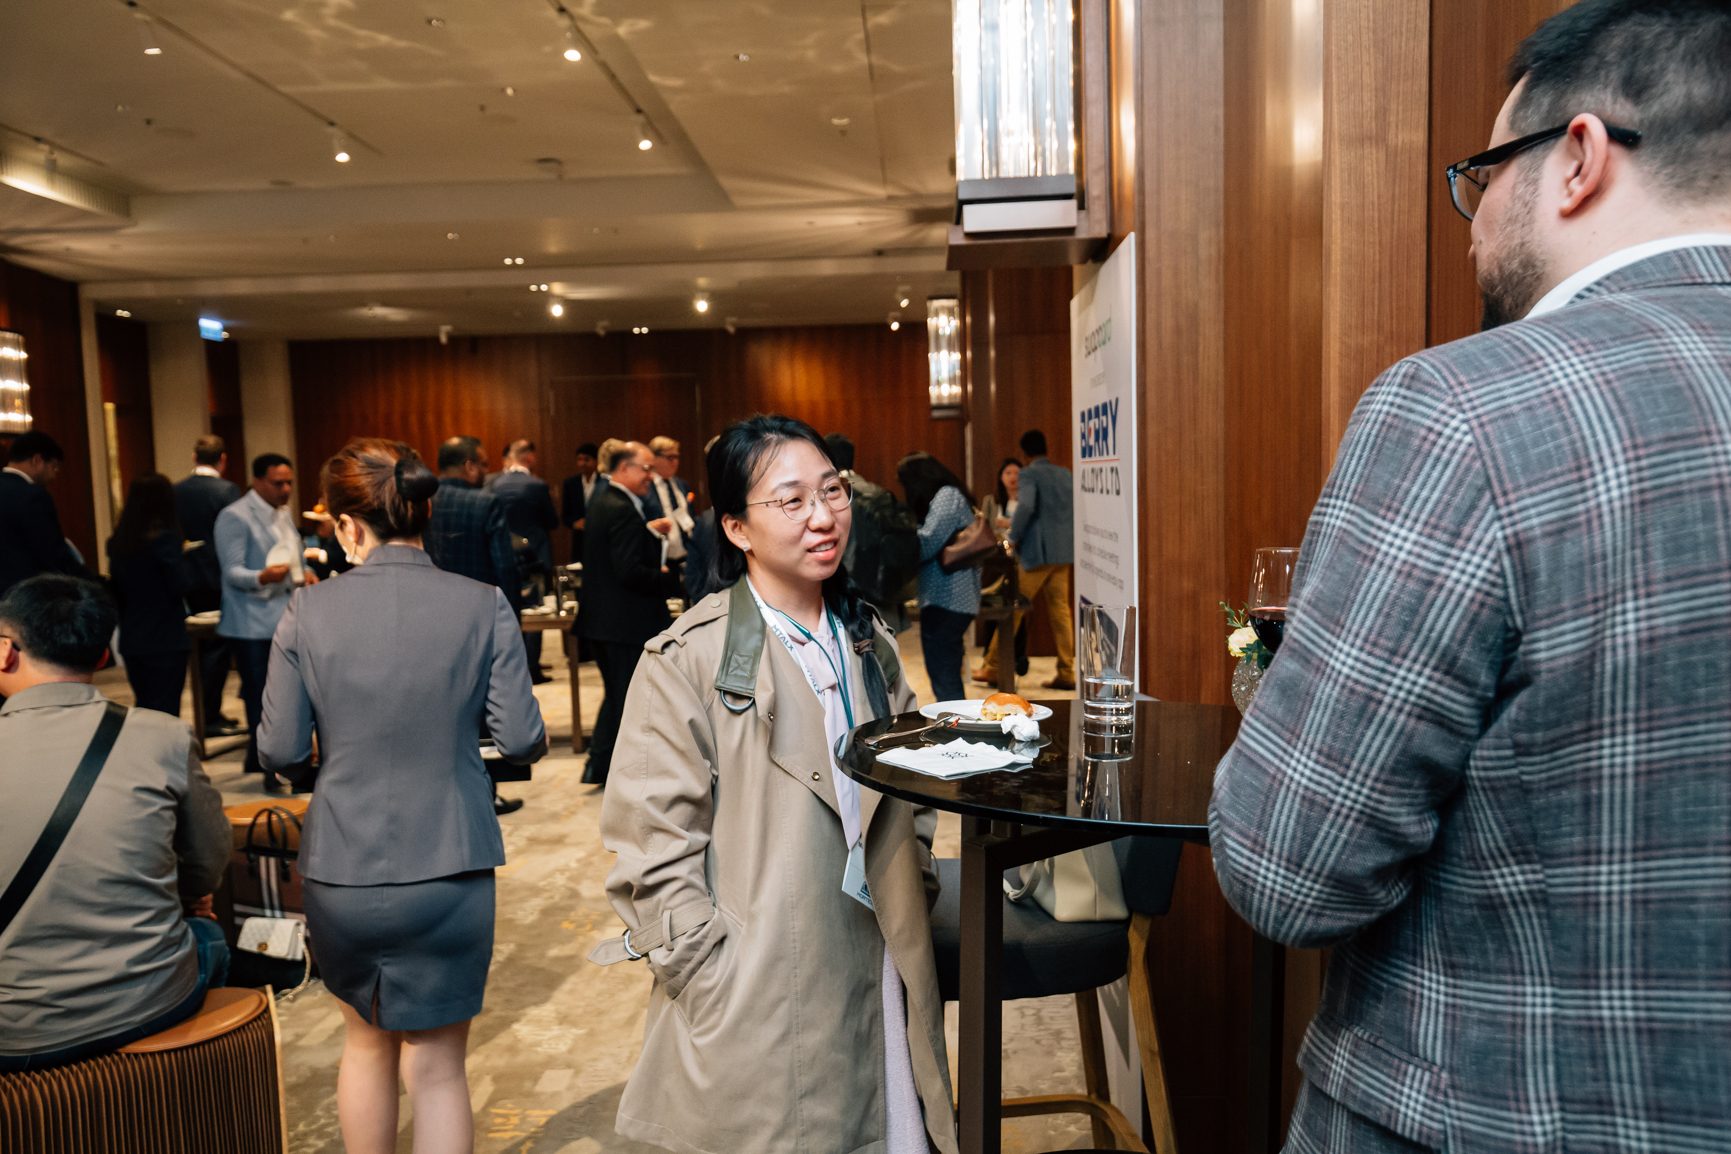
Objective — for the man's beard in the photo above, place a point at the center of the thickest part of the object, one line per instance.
(1511, 287)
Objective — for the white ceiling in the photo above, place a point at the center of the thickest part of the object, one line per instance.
(809, 184)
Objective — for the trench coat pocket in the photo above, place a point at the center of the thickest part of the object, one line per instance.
(677, 962)
(1398, 1091)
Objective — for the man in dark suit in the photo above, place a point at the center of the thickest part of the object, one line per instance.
(467, 534)
(576, 492)
(197, 501)
(1491, 761)
(529, 512)
(30, 538)
(625, 589)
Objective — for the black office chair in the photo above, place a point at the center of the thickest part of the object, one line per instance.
(1044, 957)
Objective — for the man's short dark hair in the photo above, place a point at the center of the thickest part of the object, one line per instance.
(265, 462)
(1661, 67)
(62, 621)
(208, 450)
(587, 449)
(1034, 443)
(840, 451)
(459, 451)
(35, 444)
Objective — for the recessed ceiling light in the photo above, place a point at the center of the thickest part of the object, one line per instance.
(435, 22)
(742, 57)
(841, 121)
(123, 313)
(556, 309)
(508, 90)
(534, 288)
(542, 286)
(903, 302)
(701, 303)
(453, 236)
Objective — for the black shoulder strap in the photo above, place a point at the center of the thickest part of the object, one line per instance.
(36, 864)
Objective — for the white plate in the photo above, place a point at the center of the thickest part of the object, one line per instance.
(970, 712)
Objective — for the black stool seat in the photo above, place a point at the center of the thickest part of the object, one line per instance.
(1042, 957)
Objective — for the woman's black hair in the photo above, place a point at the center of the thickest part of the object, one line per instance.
(1004, 490)
(149, 512)
(735, 461)
(921, 476)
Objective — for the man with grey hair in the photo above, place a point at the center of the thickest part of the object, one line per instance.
(625, 588)
(1491, 761)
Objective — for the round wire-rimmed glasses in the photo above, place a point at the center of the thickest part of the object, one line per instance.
(799, 504)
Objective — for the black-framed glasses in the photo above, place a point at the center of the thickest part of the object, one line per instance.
(801, 503)
(1469, 178)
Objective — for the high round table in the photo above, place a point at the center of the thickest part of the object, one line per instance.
(1159, 786)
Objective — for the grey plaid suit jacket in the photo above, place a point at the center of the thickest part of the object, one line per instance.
(1492, 761)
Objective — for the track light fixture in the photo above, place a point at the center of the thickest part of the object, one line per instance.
(556, 309)
(701, 303)
(572, 52)
(146, 32)
(339, 145)
(895, 322)
(644, 142)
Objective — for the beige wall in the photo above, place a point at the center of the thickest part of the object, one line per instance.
(179, 395)
(267, 398)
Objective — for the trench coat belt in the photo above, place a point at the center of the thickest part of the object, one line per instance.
(633, 944)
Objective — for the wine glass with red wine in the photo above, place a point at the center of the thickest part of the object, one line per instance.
(1270, 586)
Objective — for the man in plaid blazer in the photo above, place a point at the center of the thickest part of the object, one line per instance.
(1491, 762)
(467, 533)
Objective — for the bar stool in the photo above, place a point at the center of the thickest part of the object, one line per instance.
(209, 1085)
(1044, 957)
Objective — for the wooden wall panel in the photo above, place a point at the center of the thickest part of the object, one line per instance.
(45, 310)
(417, 391)
(123, 353)
(1470, 47)
(861, 380)
(222, 386)
(1375, 182)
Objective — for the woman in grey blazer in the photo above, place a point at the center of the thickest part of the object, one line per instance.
(398, 663)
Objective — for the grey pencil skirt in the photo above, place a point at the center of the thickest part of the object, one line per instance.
(405, 957)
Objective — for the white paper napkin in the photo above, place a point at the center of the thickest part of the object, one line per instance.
(954, 758)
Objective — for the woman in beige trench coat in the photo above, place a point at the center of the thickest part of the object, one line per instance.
(786, 1014)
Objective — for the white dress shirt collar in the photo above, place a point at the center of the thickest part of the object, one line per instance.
(204, 471)
(1572, 287)
(20, 473)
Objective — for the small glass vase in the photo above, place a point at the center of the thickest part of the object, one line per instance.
(1246, 676)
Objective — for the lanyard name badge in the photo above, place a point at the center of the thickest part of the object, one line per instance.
(853, 879)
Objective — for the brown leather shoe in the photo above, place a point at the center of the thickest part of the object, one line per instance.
(982, 676)
(1059, 683)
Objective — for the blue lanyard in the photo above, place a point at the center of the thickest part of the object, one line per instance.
(840, 674)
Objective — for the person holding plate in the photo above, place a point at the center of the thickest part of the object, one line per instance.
(781, 910)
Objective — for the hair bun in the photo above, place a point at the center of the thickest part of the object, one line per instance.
(415, 482)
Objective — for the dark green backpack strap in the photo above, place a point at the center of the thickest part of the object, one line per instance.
(736, 679)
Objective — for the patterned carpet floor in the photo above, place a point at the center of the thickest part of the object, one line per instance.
(550, 1053)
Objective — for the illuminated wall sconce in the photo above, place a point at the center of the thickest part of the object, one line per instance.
(1015, 115)
(944, 355)
(14, 384)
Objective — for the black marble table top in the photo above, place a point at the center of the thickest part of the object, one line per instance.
(1158, 782)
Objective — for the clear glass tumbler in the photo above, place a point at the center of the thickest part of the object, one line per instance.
(1107, 657)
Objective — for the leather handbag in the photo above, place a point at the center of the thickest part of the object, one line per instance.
(1082, 886)
(970, 546)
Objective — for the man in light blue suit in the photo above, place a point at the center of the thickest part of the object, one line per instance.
(259, 550)
(1043, 534)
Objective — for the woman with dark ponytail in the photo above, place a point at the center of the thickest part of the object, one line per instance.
(397, 663)
(781, 910)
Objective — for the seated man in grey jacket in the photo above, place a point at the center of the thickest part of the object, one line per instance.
(100, 952)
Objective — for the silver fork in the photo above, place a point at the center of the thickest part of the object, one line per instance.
(946, 721)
